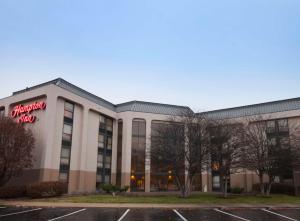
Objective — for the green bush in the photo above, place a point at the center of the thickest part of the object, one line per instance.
(109, 188)
(281, 188)
(12, 192)
(124, 189)
(236, 190)
(46, 189)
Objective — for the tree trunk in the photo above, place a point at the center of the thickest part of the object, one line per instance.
(269, 189)
(200, 181)
(225, 187)
(261, 184)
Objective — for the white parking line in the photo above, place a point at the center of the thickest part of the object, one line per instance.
(181, 216)
(229, 214)
(124, 214)
(69, 214)
(268, 211)
(26, 211)
(2, 207)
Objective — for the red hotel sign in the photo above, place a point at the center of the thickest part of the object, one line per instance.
(24, 111)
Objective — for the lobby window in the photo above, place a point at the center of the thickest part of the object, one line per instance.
(2, 111)
(66, 142)
(137, 177)
(279, 140)
(119, 153)
(104, 150)
(161, 173)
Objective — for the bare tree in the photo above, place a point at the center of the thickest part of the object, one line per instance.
(225, 142)
(182, 144)
(265, 155)
(16, 145)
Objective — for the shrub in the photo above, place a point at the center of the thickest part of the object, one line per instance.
(46, 189)
(283, 188)
(12, 192)
(109, 188)
(277, 188)
(124, 189)
(236, 190)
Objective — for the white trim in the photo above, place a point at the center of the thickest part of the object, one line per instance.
(26, 211)
(69, 214)
(229, 214)
(124, 214)
(181, 216)
(268, 211)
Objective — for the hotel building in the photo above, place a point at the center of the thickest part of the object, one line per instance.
(85, 140)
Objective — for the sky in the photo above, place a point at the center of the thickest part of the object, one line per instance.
(203, 54)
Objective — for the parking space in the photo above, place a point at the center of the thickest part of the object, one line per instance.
(261, 214)
(124, 214)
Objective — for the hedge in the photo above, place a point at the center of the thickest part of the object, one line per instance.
(12, 192)
(46, 189)
(281, 188)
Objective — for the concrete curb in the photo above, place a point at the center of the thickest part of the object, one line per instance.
(148, 205)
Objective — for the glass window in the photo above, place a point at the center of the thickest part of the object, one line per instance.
(99, 164)
(63, 176)
(66, 137)
(138, 155)
(67, 129)
(107, 179)
(102, 119)
(109, 143)
(142, 128)
(216, 182)
(107, 165)
(99, 178)
(283, 125)
(2, 111)
(64, 161)
(109, 124)
(272, 141)
(135, 128)
(101, 144)
(69, 106)
(101, 138)
(65, 153)
(68, 114)
(100, 158)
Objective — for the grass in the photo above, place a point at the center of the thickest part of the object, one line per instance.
(173, 199)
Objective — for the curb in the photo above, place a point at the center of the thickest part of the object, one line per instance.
(149, 206)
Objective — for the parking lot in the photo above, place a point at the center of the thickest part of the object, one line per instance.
(123, 214)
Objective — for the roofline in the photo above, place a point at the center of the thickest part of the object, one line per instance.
(147, 102)
(114, 107)
(250, 105)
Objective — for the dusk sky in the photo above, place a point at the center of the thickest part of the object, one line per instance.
(203, 54)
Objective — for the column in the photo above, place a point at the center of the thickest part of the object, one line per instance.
(114, 152)
(126, 151)
(83, 150)
(148, 156)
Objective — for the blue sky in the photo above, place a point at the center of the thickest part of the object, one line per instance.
(204, 54)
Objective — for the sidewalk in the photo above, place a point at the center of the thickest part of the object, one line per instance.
(146, 205)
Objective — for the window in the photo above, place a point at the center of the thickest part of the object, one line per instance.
(2, 111)
(104, 150)
(271, 126)
(119, 153)
(66, 143)
(67, 129)
(161, 172)
(138, 146)
(65, 153)
(283, 125)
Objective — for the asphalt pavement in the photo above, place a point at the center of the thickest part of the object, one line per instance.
(17, 213)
